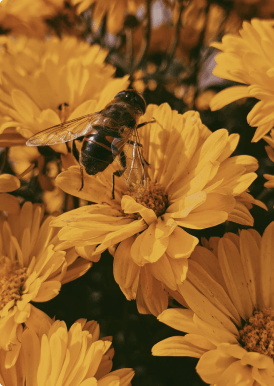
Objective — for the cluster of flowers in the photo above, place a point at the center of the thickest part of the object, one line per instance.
(193, 183)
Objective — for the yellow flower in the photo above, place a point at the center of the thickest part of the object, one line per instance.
(9, 203)
(58, 80)
(28, 17)
(33, 265)
(114, 9)
(230, 319)
(55, 356)
(249, 59)
(192, 184)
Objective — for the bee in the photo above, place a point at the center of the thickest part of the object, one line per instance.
(110, 134)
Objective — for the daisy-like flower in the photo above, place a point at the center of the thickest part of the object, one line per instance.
(53, 355)
(114, 9)
(230, 319)
(249, 59)
(33, 265)
(192, 184)
(9, 203)
(59, 80)
(26, 17)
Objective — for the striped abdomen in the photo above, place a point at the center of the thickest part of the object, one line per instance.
(96, 152)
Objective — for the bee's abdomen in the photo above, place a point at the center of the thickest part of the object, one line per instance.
(95, 155)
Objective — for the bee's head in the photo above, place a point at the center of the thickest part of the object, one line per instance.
(134, 98)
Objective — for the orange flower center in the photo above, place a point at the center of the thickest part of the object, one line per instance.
(258, 333)
(12, 279)
(154, 198)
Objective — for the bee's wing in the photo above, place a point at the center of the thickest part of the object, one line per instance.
(67, 131)
(128, 155)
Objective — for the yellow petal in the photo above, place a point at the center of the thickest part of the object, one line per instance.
(203, 307)
(208, 286)
(8, 183)
(202, 220)
(87, 107)
(48, 290)
(164, 226)
(181, 244)
(129, 205)
(189, 345)
(31, 350)
(241, 215)
(182, 208)
(181, 320)
(154, 296)
(125, 270)
(266, 287)
(261, 131)
(24, 105)
(135, 251)
(151, 248)
(9, 203)
(180, 268)
(162, 271)
(234, 276)
(227, 96)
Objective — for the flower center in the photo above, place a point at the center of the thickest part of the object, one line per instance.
(154, 198)
(258, 333)
(12, 279)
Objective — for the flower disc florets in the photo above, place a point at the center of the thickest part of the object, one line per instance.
(12, 279)
(258, 333)
(154, 198)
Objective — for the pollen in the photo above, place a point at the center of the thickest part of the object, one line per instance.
(12, 279)
(154, 198)
(258, 333)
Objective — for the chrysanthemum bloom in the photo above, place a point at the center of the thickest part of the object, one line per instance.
(231, 311)
(60, 357)
(9, 203)
(192, 184)
(249, 59)
(33, 265)
(59, 80)
(27, 17)
(114, 9)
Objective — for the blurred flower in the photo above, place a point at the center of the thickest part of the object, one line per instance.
(53, 355)
(27, 17)
(115, 10)
(33, 265)
(58, 80)
(249, 59)
(229, 322)
(9, 203)
(270, 152)
(192, 183)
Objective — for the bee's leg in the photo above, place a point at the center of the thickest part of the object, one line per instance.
(118, 173)
(113, 195)
(82, 177)
(133, 143)
(146, 123)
